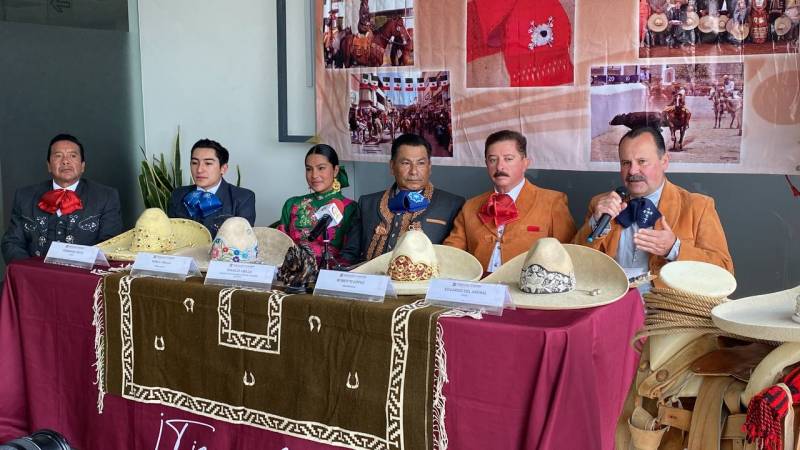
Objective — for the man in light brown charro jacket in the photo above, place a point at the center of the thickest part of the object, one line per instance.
(688, 228)
(500, 224)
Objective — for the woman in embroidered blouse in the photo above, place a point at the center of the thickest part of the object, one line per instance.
(325, 178)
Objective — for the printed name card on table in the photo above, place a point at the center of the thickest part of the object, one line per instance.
(488, 297)
(224, 273)
(164, 266)
(75, 255)
(356, 286)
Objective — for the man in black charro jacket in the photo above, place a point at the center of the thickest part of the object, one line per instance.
(67, 208)
(211, 200)
(410, 203)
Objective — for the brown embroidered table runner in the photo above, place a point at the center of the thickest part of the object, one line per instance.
(347, 373)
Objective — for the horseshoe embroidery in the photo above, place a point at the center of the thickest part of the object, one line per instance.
(248, 379)
(314, 320)
(189, 304)
(350, 384)
(159, 343)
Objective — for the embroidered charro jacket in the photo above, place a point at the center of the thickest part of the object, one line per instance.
(236, 202)
(542, 213)
(375, 229)
(692, 217)
(31, 230)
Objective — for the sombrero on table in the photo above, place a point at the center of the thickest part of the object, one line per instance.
(155, 233)
(237, 241)
(561, 276)
(415, 261)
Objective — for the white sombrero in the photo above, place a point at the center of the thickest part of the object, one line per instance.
(657, 22)
(739, 31)
(709, 24)
(415, 261)
(561, 276)
(155, 233)
(237, 241)
(767, 317)
(691, 22)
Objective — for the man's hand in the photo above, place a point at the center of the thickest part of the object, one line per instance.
(610, 203)
(655, 242)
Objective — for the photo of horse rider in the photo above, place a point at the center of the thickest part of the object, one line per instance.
(355, 35)
(697, 107)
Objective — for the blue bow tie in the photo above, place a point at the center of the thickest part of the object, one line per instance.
(408, 201)
(201, 204)
(640, 211)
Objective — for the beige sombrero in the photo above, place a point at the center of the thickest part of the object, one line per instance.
(783, 25)
(739, 31)
(415, 261)
(722, 23)
(155, 233)
(561, 276)
(767, 317)
(237, 241)
(657, 22)
(691, 22)
(709, 24)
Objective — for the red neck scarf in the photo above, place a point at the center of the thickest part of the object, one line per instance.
(64, 199)
(499, 209)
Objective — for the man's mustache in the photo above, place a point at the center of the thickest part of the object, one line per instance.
(632, 178)
(500, 173)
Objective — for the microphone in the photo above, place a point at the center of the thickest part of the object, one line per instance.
(602, 223)
(328, 216)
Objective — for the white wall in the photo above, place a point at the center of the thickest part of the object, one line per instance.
(210, 67)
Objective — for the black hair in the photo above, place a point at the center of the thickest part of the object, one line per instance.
(325, 150)
(661, 147)
(413, 140)
(507, 135)
(222, 152)
(65, 137)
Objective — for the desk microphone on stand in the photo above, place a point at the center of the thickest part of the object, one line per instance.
(328, 216)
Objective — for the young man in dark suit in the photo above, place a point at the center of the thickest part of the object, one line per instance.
(66, 208)
(211, 200)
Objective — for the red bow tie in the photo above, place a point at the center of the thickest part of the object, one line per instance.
(64, 199)
(500, 209)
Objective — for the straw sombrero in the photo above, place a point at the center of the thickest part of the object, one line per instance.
(698, 278)
(737, 30)
(709, 24)
(657, 22)
(722, 23)
(237, 241)
(783, 25)
(691, 22)
(767, 317)
(415, 261)
(155, 233)
(561, 276)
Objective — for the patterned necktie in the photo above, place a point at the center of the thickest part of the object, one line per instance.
(408, 201)
(500, 209)
(201, 204)
(641, 211)
(64, 199)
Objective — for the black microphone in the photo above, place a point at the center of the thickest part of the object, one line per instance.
(602, 223)
(321, 226)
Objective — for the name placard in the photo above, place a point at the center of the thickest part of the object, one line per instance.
(75, 255)
(356, 286)
(223, 273)
(487, 297)
(164, 266)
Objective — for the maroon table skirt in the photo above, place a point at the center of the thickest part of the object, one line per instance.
(526, 380)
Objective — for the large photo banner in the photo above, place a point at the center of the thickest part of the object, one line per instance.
(719, 78)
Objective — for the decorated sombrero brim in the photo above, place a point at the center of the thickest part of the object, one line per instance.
(454, 264)
(657, 22)
(272, 248)
(767, 317)
(186, 234)
(599, 281)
